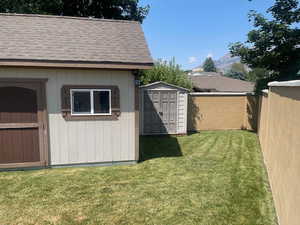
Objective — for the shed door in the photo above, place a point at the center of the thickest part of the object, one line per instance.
(160, 112)
(21, 125)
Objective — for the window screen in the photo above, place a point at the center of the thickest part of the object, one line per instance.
(91, 102)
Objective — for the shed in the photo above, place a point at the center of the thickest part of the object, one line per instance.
(68, 90)
(163, 109)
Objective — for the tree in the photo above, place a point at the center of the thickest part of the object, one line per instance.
(237, 71)
(209, 65)
(274, 44)
(108, 9)
(257, 74)
(168, 71)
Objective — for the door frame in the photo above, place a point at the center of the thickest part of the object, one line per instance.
(142, 111)
(38, 85)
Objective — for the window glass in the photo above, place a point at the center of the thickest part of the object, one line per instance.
(81, 102)
(101, 102)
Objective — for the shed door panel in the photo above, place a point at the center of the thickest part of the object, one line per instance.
(152, 122)
(160, 112)
(19, 125)
(19, 145)
(170, 111)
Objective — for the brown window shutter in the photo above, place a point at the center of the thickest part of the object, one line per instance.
(115, 101)
(65, 100)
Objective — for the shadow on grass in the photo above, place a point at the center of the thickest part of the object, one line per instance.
(152, 147)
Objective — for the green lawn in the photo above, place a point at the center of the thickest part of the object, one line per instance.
(211, 178)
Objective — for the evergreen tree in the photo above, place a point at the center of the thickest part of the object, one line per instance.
(209, 65)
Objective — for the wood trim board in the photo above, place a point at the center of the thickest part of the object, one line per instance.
(18, 125)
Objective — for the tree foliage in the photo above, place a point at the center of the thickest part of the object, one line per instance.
(274, 44)
(257, 74)
(209, 65)
(167, 71)
(237, 71)
(108, 9)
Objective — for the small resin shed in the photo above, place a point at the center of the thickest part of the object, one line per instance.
(68, 90)
(163, 109)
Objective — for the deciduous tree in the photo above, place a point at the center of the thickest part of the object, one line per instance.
(274, 44)
(237, 71)
(168, 71)
(108, 9)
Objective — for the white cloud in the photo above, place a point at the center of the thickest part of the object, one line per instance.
(193, 59)
(210, 55)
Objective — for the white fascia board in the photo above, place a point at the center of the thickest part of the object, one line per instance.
(220, 93)
(292, 83)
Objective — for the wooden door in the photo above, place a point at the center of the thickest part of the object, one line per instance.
(160, 112)
(22, 124)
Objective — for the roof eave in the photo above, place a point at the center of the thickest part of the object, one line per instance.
(76, 64)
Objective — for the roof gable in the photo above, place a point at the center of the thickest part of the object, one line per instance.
(159, 84)
(72, 40)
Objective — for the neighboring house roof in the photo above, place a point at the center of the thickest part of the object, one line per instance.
(74, 41)
(219, 83)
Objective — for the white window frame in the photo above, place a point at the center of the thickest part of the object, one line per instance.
(91, 113)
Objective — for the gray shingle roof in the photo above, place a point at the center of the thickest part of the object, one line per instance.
(219, 83)
(71, 39)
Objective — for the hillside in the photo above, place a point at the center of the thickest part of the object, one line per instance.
(225, 62)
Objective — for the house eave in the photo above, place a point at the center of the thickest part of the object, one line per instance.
(76, 64)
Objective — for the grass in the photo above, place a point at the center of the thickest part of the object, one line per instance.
(211, 178)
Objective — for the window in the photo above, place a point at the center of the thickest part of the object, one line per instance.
(90, 101)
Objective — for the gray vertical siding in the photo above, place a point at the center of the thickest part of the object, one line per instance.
(73, 142)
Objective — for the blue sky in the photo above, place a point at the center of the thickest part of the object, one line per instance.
(190, 30)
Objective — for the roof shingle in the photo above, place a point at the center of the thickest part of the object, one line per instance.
(72, 39)
(219, 83)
